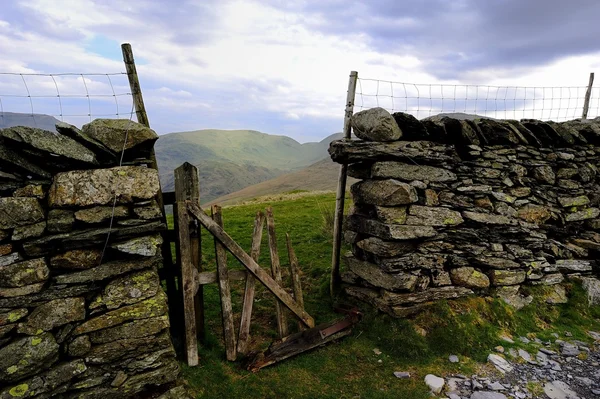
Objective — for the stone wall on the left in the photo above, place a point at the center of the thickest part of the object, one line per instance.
(82, 311)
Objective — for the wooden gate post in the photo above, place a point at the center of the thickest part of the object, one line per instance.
(186, 183)
(588, 94)
(335, 280)
(175, 314)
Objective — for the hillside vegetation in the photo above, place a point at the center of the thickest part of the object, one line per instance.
(320, 176)
(229, 160)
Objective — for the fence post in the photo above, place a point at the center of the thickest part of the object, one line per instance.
(335, 280)
(186, 180)
(588, 94)
(142, 117)
(187, 188)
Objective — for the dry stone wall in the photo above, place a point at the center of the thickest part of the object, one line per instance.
(82, 312)
(461, 205)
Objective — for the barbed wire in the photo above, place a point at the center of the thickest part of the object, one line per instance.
(558, 103)
(60, 95)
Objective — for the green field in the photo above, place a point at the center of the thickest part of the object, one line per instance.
(349, 368)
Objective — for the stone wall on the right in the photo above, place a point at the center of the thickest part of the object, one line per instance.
(463, 205)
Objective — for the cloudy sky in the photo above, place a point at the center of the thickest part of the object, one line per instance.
(282, 67)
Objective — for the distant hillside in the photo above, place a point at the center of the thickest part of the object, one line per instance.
(229, 160)
(320, 176)
(9, 119)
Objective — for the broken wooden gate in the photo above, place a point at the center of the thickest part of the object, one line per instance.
(188, 217)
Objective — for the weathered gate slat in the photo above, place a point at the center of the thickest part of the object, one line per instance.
(224, 290)
(282, 329)
(244, 333)
(295, 273)
(250, 264)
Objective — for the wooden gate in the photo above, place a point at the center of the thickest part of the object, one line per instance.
(189, 217)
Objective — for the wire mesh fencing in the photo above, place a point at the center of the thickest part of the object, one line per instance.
(501, 102)
(75, 98)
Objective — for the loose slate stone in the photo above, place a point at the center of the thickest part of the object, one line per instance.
(24, 273)
(500, 363)
(77, 259)
(434, 383)
(60, 221)
(130, 289)
(87, 238)
(386, 249)
(567, 202)
(107, 270)
(411, 127)
(40, 352)
(29, 231)
(590, 213)
(100, 214)
(79, 346)
(391, 215)
(50, 293)
(375, 124)
(406, 172)
(125, 348)
(19, 212)
(120, 134)
(53, 314)
(534, 213)
(430, 216)
(487, 218)
(135, 329)
(10, 259)
(469, 277)
(496, 263)
(377, 277)
(49, 142)
(592, 286)
(21, 291)
(99, 186)
(153, 307)
(31, 190)
(574, 265)
(431, 295)
(73, 132)
(544, 174)
(506, 277)
(12, 316)
(149, 212)
(22, 164)
(144, 246)
(53, 379)
(383, 192)
(388, 231)
(412, 261)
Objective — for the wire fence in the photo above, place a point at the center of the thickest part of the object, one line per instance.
(76, 98)
(501, 102)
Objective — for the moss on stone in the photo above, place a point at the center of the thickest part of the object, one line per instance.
(19, 391)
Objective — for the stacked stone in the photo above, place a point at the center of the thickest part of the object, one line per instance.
(82, 312)
(458, 204)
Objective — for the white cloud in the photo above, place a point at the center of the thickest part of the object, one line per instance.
(255, 59)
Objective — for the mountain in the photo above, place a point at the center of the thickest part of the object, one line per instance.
(320, 176)
(229, 160)
(9, 119)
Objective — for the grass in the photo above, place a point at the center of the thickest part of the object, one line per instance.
(469, 327)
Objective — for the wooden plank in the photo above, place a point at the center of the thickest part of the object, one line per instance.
(188, 285)
(224, 290)
(244, 333)
(301, 342)
(335, 279)
(205, 278)
(187, 188)
(588, 94)
(249, 263)
(295, 274)
(282, 328)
